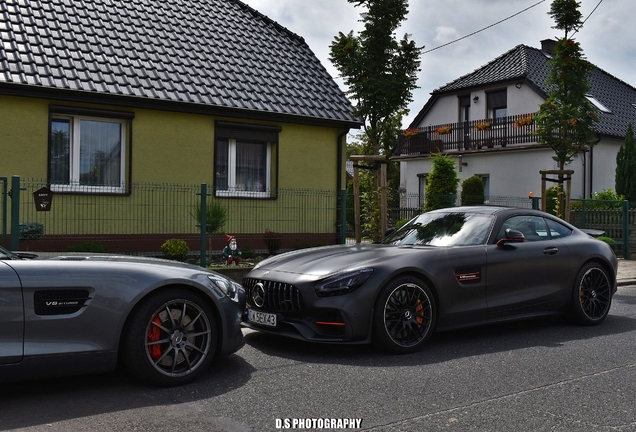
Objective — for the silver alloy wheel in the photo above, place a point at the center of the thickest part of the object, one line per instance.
(178, 338)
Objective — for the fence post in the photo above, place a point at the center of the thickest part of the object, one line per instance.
(5, 183)
(343, 216)
(536, 203)
(204, 225)
(626, 229)
(15, 212)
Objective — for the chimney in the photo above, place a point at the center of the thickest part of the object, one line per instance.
(547, 45)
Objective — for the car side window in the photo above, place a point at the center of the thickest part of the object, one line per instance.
(533, 228)
(557, 230)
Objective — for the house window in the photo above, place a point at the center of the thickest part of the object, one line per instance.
(87, 153)
(597, 104)
(496, 103)
(245, 160)
(421, 182)
(464, 108)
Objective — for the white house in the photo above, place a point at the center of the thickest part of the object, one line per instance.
(479, 120)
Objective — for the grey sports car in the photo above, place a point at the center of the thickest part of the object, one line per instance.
(165, 321)
(445, 269)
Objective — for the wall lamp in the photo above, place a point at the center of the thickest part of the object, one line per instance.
(461, 163)
(475, 99)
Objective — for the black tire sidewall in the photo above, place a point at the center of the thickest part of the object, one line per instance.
(576, 310)
(134, 354)
(380, 337)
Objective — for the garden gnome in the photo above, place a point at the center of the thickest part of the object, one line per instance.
(231, 251)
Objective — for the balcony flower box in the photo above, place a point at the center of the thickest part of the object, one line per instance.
(482, 126)
(443, 130)
(408, 133)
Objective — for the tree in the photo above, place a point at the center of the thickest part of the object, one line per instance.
(380, 73)
(441, 187)
(565, 121)
(626, 167)
(473, 191)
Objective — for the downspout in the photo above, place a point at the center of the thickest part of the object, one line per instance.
(341, 191)
(592, 163)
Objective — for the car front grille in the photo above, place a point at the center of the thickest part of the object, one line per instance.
(278, 296)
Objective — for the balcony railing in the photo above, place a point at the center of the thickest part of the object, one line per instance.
(469, 136)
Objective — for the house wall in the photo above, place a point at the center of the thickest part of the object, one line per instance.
(171, 148)
(521, 100)
(515, 173)
(167, 147)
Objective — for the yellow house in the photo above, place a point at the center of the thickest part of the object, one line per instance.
(97, 99)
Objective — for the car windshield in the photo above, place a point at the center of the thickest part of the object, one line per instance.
(6, 255)
(443, 229)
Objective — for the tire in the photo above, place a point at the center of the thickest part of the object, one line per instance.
(404, 317)
(171, 338)
(592, 295)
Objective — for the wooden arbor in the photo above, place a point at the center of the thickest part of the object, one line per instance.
(376, 163)
(563, 176)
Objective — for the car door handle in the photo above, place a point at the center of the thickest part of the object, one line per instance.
(550, 250)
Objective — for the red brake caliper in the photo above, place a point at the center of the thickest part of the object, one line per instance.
(153, 336)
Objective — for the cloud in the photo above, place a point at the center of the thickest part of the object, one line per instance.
(606, 38)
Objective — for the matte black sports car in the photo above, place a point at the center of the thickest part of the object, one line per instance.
(445, 269)
(165, 321)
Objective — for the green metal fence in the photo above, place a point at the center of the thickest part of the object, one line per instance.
(148, 214)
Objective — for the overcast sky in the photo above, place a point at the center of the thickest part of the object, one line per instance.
(608, 39)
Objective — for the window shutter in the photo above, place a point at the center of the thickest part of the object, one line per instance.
(496, 99)
(245, 131)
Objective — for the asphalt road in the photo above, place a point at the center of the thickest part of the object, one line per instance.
(540, 375)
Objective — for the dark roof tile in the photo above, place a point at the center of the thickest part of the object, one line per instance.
(198, 51)
(531, 65)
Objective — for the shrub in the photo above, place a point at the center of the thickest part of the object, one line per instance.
(215, 216)
(91, 247)
(610, 241)
(31, 231)
(272, 241)
(473, 191)
(247, 252)
(175, 249)
(442, 184)
(401, 223)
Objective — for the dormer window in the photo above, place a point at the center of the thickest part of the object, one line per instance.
(598, 104)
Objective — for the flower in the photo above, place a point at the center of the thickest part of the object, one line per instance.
(411, 132)
(482, 126)
(443, 130)
(523, 121)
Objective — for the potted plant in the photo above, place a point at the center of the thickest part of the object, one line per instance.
(483, 125)
(443, 130)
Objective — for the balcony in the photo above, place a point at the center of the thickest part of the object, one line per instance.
(469, 136)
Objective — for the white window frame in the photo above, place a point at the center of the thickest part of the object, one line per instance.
(232, 187)
(74, 163)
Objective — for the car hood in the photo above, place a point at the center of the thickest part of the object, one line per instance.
(323, 261)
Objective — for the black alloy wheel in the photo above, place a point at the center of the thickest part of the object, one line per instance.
(592, 295)
(405, 316)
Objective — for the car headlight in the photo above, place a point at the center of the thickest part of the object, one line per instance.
(343, 283)
(230, 288)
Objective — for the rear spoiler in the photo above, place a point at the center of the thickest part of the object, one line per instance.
(593, 232)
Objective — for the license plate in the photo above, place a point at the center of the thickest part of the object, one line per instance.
(262, 318)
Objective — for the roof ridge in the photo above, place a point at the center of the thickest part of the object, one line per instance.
(496, 59)
(268, 20)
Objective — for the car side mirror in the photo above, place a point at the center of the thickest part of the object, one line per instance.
(512, 236)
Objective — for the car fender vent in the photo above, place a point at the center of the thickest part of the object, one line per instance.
(59, 302)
